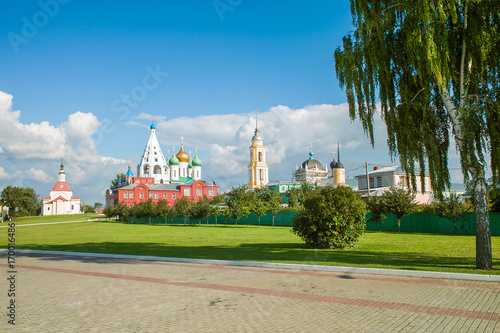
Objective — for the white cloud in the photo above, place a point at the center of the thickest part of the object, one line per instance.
(31, 153)
(3, 174)
(37, 175)
(148, 116)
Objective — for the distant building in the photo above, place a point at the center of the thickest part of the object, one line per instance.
(383, 179)
(313, 172)
(258, 171)
(161, 178)
(61, 200)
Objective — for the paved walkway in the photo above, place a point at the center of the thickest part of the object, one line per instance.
(65, 293)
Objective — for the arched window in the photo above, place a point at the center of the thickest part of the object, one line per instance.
(260, 156)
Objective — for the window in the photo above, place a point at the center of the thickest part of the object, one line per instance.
(260, 156)
(198, 192)
(150, 195)
(175, 173)
(173, 196)
(141, 195)
(156, 195)
(72, 207)
(211, 192)
(125, 195)
(165, 196)
(48, 208)
(402, 181)
(371, 183)
(251, 156)
(187, 192)
(379, 181)
(131, 195)
(283, 188)
(197, 174)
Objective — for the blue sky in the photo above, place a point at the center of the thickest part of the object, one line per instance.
(88, 79)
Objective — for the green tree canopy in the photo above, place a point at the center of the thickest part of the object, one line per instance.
(115, 182)
(21, 201)
(331, 218)
(433, 66)
(397, 201)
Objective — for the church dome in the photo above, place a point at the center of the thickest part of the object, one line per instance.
(190, 164)
(182, 155)
(174, 160)
(312, 164)
(152, 126)
(338, 165)
(256, 135)
(332, 164)
(196, 161)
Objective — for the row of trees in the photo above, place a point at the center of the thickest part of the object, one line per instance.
(236, 204)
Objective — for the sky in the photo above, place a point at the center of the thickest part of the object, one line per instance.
(82, 82)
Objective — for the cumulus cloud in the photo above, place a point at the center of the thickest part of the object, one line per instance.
(37, 175)
(30, 153)
(3, 174)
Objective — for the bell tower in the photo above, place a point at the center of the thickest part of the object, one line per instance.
(258, 171)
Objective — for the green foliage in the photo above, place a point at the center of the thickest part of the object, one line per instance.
(182, 207)
(399, 202)
(239, 202)
(260, 205)
(332, 218)
(115, 182)
(452, 208)
(123, 212)
(97, 205)
(110, 212)
(21, 201)
(145, 209)
(87, 209)
(200, 210)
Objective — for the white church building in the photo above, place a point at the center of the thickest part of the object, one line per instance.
(61, 200)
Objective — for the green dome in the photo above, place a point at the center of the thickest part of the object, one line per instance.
(174, 160)
(196, 161)
(190, 164)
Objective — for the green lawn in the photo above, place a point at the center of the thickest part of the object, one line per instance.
(433, 252)
(55, 218)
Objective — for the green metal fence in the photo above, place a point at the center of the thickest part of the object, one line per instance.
(418, 222)
(426, 222)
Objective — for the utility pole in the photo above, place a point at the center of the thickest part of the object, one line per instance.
(367, 179)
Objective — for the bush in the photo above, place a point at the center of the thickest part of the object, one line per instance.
(332, 218)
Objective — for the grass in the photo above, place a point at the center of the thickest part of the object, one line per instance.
(55, 218)
(431, 252)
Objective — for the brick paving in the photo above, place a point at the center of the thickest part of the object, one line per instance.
(64, 293)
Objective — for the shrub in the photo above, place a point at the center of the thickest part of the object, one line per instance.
(332, 218)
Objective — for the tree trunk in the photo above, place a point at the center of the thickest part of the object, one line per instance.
(476, 172)
(483, 234)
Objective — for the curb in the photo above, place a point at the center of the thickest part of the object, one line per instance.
(338, 269)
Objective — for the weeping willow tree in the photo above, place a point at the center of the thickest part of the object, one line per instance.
(432, 67)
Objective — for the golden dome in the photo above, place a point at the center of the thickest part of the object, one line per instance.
(182, 155)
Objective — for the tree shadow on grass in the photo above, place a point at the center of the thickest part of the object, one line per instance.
(273, 252)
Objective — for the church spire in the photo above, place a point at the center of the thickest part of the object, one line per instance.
(61, 177)
(256, 136)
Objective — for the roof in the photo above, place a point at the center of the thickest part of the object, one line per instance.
(61, 186)
(56, 199)
(311, 164)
